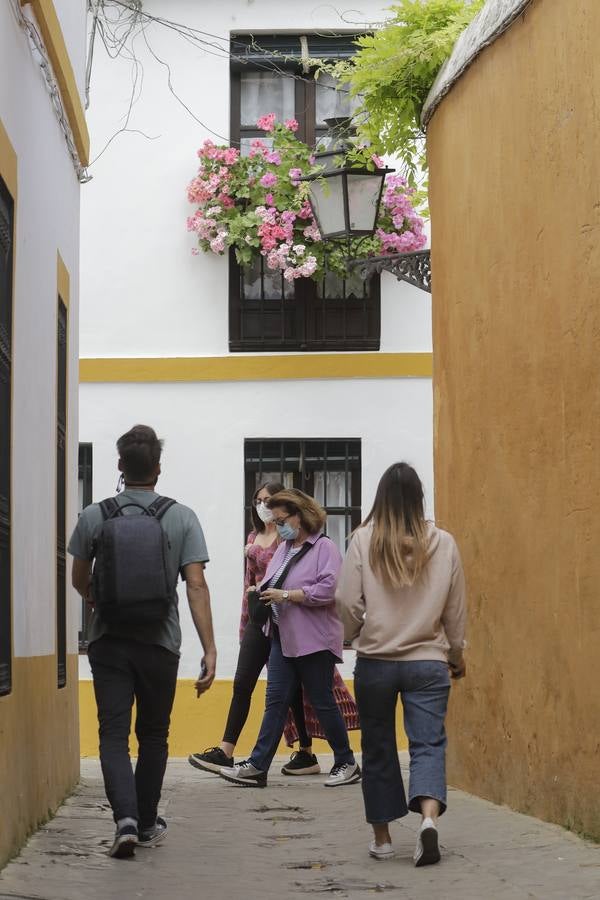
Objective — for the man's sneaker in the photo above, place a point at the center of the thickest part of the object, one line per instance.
(381, 851)
(302, 763)
(124, 844)
(212, 760)
(347, 773)
(245, 774)
(149, 837)
(427, 851)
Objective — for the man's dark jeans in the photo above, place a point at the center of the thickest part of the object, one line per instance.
(124, 670)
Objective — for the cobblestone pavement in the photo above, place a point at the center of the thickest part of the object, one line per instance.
(294, 839)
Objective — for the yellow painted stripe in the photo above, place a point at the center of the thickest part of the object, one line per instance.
(256, 368)
(198, 723)
(47, 19)
(8, 162)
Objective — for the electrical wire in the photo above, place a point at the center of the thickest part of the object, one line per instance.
(119, 32)
(192, 33)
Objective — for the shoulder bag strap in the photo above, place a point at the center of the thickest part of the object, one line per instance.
(305, 548)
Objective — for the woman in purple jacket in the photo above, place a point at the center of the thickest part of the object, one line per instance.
(306, 638)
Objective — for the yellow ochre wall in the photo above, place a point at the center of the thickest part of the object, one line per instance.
(198, 723)
(514, 156)
(39, 758)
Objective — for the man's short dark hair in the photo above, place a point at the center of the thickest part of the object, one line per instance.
(139, 451)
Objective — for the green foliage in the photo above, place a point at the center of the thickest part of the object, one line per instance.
(394, 69)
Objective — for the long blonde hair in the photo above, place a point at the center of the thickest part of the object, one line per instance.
(399, 543)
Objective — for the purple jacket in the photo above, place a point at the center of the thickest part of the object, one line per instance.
(312, 625)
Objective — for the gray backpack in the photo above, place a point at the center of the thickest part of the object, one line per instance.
(130, 582)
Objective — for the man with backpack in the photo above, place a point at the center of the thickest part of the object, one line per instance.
(138, 543)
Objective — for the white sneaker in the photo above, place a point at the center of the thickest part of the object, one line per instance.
(347, 773)
(245, 774)
(381, 851)
(427, 851)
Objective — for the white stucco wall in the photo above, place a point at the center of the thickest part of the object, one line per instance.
(47, 222)
(144, 294)
(204, 426)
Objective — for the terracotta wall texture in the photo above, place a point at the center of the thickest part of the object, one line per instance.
(514, 156)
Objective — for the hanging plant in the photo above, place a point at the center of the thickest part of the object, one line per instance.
(393, 71)
(257, 204)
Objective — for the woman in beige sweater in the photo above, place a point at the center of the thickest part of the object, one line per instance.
(401, 597)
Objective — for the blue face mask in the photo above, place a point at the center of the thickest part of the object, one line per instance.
(286, 532)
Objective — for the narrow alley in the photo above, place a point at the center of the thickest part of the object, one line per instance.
(294, 839)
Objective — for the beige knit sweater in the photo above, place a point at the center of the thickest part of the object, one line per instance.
(425, 621)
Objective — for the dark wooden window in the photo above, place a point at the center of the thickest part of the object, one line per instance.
(84, 499)
(6, 302)
(265, 312)
(61, 485)
(328, 469)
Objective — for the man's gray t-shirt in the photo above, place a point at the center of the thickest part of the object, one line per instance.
(186, 545)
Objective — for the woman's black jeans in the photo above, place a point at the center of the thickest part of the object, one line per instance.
(254, 653)
(124, 670)
(423, 687)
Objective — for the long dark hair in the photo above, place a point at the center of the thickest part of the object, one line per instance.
(273, 487)
(399, 543)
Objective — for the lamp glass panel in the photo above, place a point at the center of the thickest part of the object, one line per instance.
(327, 201)
(363, 195)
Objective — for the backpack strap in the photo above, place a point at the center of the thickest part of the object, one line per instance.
(109, 508)
(160, 507)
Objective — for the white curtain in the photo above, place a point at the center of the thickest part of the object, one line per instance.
(333, 103)
(266, 92)
(336, 496)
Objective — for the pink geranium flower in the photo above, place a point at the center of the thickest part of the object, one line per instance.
(278, 221)
(268, 180)
(231, 156)
(266, 123)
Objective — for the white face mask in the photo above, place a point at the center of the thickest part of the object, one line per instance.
(263, 512)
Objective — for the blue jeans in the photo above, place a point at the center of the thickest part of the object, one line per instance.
(423, 686)
(285, 674)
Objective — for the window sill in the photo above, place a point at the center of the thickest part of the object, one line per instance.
(258, 346)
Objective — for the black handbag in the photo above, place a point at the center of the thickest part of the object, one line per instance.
(258, 610)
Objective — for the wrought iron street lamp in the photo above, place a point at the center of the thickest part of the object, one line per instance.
(345, 201)
(345, 198)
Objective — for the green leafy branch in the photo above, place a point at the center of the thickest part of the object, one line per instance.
(393, 71)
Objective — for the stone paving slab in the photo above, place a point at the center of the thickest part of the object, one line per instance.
(295, 839)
